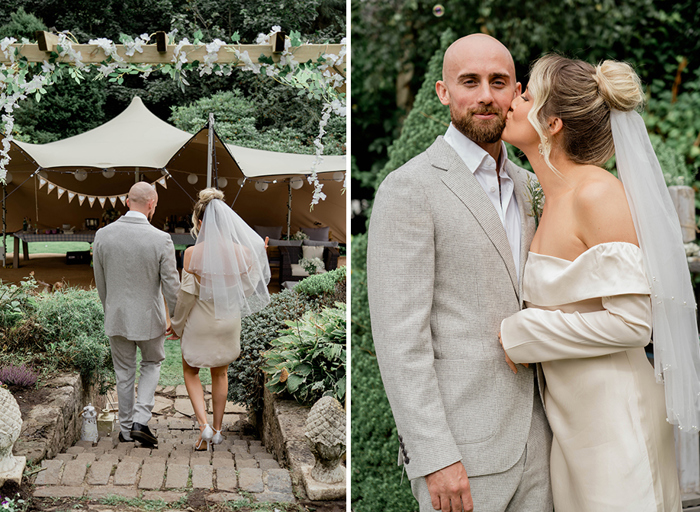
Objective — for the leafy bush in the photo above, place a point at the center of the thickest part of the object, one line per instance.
(18, 376)
(63, 330)
(246, 379)
(15, 301)
(324, 284)
(308, 361)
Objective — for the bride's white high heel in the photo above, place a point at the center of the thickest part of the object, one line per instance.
(206, 437)
(218, 438)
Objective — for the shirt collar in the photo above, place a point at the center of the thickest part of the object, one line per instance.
(134, 213)
(473, 155)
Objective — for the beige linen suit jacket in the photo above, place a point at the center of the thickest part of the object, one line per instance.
(441, 278)
(133, 261)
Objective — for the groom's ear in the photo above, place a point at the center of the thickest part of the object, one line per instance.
(442, 92)
(518, 90)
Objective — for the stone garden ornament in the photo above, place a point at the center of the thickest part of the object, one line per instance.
(325, 435)
(89, 430)
(11, 467)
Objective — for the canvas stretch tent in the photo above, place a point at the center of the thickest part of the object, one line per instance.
(137, 143)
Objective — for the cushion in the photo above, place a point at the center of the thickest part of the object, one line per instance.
(274, 232)
(317, 233)
(328, 243)
(312, 252)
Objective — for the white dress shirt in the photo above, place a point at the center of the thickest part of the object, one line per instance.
(483, 166)
(134, 213)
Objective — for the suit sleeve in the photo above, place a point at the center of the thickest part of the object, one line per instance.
(400, 277)
(538, 335)
(98, 270)
(169, 276)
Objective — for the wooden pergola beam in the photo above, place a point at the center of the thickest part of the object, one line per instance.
(162, 53)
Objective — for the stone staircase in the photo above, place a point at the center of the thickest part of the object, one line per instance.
(171, 471)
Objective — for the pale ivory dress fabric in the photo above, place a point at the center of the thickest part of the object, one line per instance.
(587, 323)
(205, 341)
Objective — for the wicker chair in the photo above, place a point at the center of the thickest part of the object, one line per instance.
(291, 254)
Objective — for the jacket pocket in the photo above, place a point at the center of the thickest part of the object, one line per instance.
(468, 390)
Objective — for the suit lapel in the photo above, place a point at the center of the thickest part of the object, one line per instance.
(460, 180)
(527, 221)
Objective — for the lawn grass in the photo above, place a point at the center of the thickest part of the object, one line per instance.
(171, 369)
(48, 248)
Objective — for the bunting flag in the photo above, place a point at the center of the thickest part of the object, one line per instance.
(162, 181)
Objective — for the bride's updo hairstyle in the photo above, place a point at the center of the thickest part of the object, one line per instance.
(205, 197)
(582, 96)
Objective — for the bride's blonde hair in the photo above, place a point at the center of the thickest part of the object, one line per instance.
(205, 197)
(582, 96)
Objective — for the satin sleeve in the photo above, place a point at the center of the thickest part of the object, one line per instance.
(186, 297)
(539, 335)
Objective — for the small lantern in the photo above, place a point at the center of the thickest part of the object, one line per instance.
(89, 430)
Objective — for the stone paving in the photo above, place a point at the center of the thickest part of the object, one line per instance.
(171, 471)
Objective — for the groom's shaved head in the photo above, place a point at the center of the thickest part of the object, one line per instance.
(475, 46)
(141, 193)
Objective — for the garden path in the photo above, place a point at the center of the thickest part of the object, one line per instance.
(170, 472)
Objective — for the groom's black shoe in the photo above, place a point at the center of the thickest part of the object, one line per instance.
(143, 435)
(123, 440)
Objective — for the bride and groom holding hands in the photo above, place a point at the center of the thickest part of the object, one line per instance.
(224, 278)
(513, 353)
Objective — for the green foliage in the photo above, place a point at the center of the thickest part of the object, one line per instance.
(246, 379)
(15, 300)
(676, 171)
(21, 25)
(236, 123)
(308, 360)
(322, 284)
(63, 330)
(376, 480)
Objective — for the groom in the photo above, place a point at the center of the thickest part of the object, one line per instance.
(448, 239)
(133, 261)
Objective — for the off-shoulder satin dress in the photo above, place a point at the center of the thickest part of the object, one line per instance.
(587, 321)
(205, 341)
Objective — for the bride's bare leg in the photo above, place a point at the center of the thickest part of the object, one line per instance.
(196, 393)
(219, 392)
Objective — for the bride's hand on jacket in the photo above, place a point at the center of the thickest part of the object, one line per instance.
(510, 363)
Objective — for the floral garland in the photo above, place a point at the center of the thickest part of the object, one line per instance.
(19, 78)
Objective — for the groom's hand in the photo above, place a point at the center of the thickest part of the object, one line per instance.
(449, 489)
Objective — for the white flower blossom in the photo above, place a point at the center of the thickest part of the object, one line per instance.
(211, 57)
(47, 67)
(136, 45)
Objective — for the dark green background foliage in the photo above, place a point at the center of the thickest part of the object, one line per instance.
(246, 379)
(279, 118)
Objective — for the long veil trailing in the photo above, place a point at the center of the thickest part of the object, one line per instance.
(675, 331)
(231, 261)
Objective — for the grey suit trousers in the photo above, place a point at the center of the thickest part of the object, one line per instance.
(136, 409)
(523, 488)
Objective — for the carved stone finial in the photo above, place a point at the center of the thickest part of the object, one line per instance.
(325, 434)
(10, 427)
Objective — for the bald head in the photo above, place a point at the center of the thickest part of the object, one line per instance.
(475, 47)
(143, 198)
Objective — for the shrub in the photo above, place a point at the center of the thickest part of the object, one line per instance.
(332, 282)
(309, 360)
(21, 376)
(15, 301)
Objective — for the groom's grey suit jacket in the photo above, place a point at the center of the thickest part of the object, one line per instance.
(441, 277)
(133, 261)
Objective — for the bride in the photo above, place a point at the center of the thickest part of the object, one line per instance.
(605, 266)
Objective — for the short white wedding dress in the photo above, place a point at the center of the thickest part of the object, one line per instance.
(587, 322)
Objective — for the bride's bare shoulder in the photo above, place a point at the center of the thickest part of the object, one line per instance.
(601, 209)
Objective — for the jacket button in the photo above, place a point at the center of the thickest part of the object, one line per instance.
(406, 460)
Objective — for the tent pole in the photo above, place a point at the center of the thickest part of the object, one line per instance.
(211, 148)
(289, 212)
(4, 225)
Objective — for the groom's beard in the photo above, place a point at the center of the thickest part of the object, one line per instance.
(480, 131)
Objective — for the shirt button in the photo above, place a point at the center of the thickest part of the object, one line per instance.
(493, 189)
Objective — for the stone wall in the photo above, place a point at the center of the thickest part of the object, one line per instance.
(54, 425)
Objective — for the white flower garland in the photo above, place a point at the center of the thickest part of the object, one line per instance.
(320, 82)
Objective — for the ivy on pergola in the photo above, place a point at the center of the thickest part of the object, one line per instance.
(316, 70)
